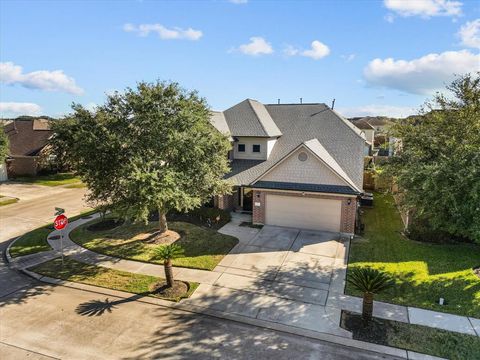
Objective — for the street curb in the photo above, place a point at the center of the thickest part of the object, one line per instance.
(380, 349)
(7, 250)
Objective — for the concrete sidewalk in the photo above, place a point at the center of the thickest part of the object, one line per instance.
(252, 294)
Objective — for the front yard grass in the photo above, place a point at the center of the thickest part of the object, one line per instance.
(76, 271)
(36, 240)
(422, 339)
(53, 180)
(423, 272)
(204, 247)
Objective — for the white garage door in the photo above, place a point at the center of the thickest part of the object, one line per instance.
(303, 212)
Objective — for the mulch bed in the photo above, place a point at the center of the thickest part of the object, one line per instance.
(249, 224)
(188, 218)
(374, 332)
(178, 289)
(166, 238)
(107, 224)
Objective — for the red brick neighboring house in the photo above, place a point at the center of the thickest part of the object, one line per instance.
(28, 138)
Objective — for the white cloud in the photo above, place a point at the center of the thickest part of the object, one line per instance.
(424, 75)
(378, 110)
(470, 34)
(256, 46)
(319, 50)
(389, 18)
(56, 80)
(349, 57)
(290, 50)
(238, 1)
(19, 108)
(424, 8)
(163, 32)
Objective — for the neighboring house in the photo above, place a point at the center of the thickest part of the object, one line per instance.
(369, 132)
(27, 138)
(379, 123)
(294, 165)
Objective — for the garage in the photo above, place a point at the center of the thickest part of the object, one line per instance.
(303, 212)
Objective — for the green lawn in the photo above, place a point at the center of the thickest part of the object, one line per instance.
(36, 240)
(423, 272)
(53, 180)
(7, 200)
(422, 339)
(204, 248)
(108, 278)
(32, 242)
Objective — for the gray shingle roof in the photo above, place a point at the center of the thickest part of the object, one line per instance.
(277, 185)
(250, 118)
(297, 123)
(362, 124)
(317, 148)
(218, 121)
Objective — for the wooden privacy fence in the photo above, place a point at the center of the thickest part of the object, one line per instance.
(372, 181)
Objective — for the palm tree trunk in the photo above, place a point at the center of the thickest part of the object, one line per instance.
(367, 309)
(168, 272)
(162, 220)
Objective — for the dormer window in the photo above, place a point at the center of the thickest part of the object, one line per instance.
(241, 147)
(256, 148)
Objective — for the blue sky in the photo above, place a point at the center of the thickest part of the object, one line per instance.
(374, 57)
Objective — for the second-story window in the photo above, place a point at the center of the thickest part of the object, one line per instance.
(241, 147)
(256, 148)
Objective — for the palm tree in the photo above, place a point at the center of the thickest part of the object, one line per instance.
(369, 281)
(167, 253)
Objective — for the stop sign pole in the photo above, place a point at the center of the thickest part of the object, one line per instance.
(60, 222)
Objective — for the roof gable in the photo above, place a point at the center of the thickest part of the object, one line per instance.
(321, 168)
(317, 148)
(250, 118)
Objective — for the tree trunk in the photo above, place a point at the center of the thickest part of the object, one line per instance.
(168, 272)
(162, 220)
(367, 309)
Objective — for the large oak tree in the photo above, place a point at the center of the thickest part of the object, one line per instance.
(149, 148)
(438, 165)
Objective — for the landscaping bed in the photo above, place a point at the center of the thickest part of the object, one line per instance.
(146, 285)
(36, 240)
(423, 272)
(212, 218)
(204, 248)
(422, 339)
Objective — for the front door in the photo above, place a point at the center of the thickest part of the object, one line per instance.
(247, 199)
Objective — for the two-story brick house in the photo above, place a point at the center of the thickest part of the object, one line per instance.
(294, 165)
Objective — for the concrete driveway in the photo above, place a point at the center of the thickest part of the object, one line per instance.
(280, 275)
(313, 260)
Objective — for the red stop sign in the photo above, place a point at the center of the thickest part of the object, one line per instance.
(60, 222)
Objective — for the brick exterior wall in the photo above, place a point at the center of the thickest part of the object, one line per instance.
(348, 212)
(347, 222)
(224, 202)
(22, 166)
(258, 212)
